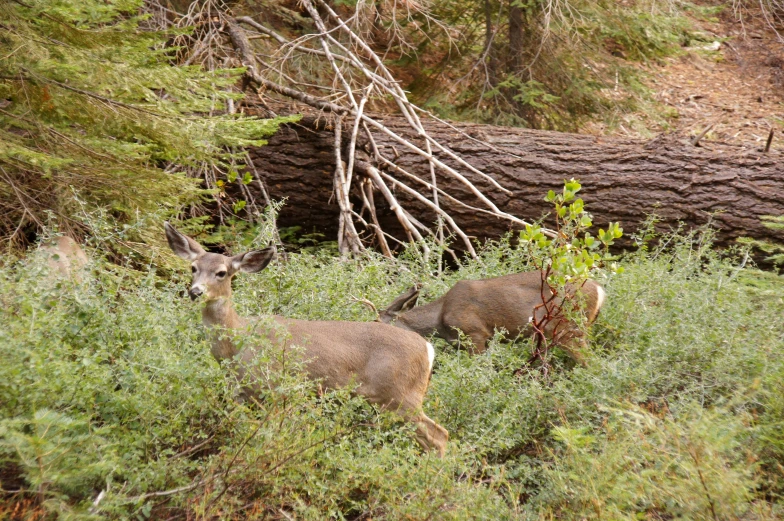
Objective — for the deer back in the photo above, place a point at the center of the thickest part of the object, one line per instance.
(64, 256)
(381, 358)
(510, 301)
(477, 307)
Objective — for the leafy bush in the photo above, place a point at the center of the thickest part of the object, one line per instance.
(112, 406)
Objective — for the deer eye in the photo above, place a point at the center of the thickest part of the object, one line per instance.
(193, 269)
(221, 274)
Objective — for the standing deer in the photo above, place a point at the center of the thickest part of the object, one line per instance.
(391, 367)
(512, 302)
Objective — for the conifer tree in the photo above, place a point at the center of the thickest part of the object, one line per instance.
(94, 116)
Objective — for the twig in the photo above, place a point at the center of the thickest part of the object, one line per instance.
(696, 140)
(369, 203)
(347, 234)
(769, 141)
(373, 173)
(424, 200)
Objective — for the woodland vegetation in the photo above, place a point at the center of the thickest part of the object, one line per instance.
(116, 116)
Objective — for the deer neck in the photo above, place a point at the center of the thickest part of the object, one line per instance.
(220, 319)
(422, 319)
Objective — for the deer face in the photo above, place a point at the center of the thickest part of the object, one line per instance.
(212, 272)
(212, 276)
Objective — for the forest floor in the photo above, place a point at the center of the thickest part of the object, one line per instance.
(734, 87)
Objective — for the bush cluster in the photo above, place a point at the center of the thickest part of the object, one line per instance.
(112, 406)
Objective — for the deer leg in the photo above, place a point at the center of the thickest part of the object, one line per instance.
(479, 340)
(429, 434)
(575, 346)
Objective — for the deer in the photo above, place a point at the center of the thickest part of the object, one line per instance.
(513, 302)
(64, 256)
(389, 367)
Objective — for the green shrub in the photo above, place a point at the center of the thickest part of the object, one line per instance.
(107, 389)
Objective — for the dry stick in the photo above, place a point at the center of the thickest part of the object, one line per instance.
(374, 227)
(346, 231)
(337, 183)
(396, 168)
(393, 88)
(770, 140)
(369, 203)
(439, 237)
(445, 167)
(325, 105)
(465, 134)
(239, 39)
(346, 225)
(424, 200)
(696, 140)
(285, 41)
(353, 142)
(342, 178)
(325, 45)
(373, 173)
(402, 99)
(393, 204)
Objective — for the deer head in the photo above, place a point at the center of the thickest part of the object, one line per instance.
(212, 272)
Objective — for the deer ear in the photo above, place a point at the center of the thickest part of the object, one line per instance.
(253, 261)
(185, 247)
(408, 300)
(401, 304)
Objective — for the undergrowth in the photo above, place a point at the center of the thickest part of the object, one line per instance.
(112, 406)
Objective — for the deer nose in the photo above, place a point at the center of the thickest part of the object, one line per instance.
(195, 292)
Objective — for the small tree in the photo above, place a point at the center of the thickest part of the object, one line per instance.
(566, 262)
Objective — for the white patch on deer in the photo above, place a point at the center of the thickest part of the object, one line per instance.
(599, 298)
(431, 355)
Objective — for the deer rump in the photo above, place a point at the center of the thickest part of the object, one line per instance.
(512, 302)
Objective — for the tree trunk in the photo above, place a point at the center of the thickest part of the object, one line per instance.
(623, 180)
(516, 37)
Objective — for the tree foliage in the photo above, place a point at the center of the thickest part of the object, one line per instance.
(93, 114)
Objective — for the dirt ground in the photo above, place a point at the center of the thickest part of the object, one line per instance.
(731, 87)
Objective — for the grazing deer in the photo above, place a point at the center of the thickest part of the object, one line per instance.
(391, 367)
(64, 256)
(512, 302)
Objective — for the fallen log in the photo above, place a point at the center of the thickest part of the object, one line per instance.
(623, 180)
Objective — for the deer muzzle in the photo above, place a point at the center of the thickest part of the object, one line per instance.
(196, 291)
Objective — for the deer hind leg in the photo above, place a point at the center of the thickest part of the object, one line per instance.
(574, 344)
(429, 434)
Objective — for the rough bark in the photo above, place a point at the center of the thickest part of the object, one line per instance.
(623, 180)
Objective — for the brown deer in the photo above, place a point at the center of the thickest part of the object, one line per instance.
(64, 256)
(512, 302)
(390, 367)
